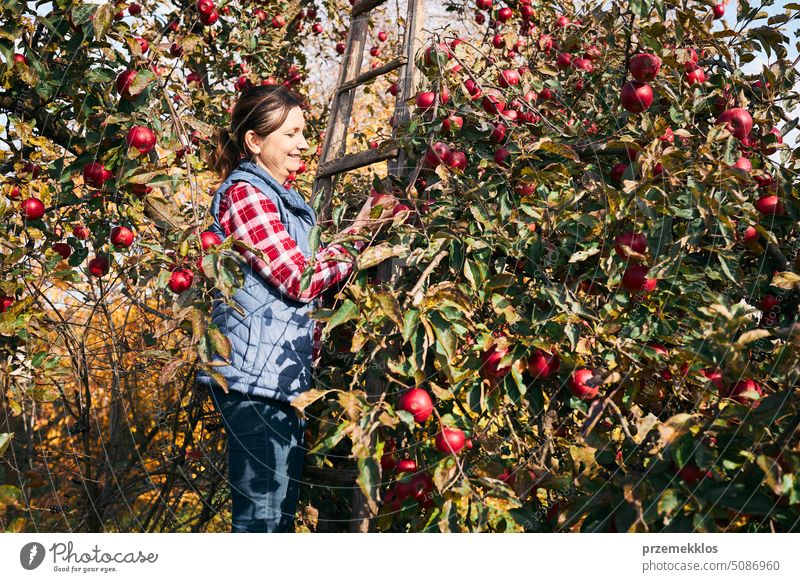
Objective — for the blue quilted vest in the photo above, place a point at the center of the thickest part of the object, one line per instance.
(272, 345)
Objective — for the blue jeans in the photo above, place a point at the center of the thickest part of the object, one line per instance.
(266, 453)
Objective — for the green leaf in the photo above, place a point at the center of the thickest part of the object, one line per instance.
(390, 307)
(786, 280)
(410, 323)
(377, 254)
(5, 440)
(348, 311)
(583, 255)
(10, 495)
(141, 80)
(668, 502)
(102, 20)
(443, 330)
(301, 401)
(369, 475)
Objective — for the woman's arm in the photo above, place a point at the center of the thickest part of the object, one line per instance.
(247, 214)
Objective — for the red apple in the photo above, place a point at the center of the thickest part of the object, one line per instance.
(692, 474)
(209, 19)
(718, 10)
(644, 66)
(144, 46)
(772, 148)
(33, 169)
(450, 440)
(770, 206)
(402, 208)
(180, 280)
(542, 365)
(453, 123)
(743, 164)
(437, 54)
(62, 249)
(205, 6)
(458, 160)
(95, 174)
(20, 58)
(142, 138)
(421, 486)
(5, 303)
(388, 462)
(492, 105)
(491, 363)
(525, 188)
(122, 236)
(124, 81)
(278, 21)
(508, 77)
(439, 153)
(526, 12)
(418, 402)
(579, 387)
(714, 377)
(483, 4)
(425, 100)
(406, 466)
(636, 241)
(636, 96)
(209, 239)
(737, 393)
(593, 53)
(564, 60)
(340, 47)
(501, 156)
(498, 133)
(738, 121)
(617, 171)
(505, 14)
(13, 192)
(382, 36)
(32, 209)
(635, 279)
(80, 232)
(98, 266)
(583, 65)
(695, 74)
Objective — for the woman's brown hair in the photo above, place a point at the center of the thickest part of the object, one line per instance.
(262, 108)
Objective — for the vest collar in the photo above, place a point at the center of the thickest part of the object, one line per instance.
(289, 196)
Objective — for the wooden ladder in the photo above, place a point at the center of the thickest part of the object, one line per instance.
(334, 162)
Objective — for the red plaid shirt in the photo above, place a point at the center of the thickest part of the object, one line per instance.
(249, 215)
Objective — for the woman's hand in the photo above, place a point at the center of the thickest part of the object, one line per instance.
(363, 220)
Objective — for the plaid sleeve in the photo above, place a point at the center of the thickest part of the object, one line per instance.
(249, 215)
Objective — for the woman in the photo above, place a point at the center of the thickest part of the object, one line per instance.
(273, 341)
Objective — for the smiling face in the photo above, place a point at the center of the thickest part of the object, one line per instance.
(279, 152)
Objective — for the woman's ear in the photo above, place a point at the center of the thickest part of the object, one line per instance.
(252, 142)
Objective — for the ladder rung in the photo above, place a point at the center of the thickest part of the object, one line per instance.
(353, 161)
(371, 74)
(363, 6)
(331, 475)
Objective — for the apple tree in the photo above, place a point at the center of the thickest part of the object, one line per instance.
(594, 323)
